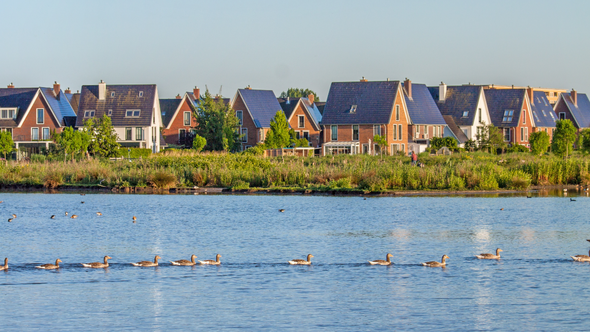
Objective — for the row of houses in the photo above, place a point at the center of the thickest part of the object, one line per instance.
(407, 114)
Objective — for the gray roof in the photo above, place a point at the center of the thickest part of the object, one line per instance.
(288, 107)
(21, 98)
(542, 110)
(459, 99)
(374, 102)
(421, 107)
(126, 98)
(262, 104)
(457, 132)
(581, 111)
(500, 100)
(60, 105)
(168, 107)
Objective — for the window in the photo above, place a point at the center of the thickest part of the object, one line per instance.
(334, 131)
(394, 148)
(552, 116)
(301, 121)
(8, 113)
(465, 114)
(466, 131)
(355, 132)
(132, 113)
(40, 113)
(376, 130)
(245, 135)
(417, 131)
(306, 135)
(34, 134)
(508, 116)
(543, 111)
(181, 134)
(403, 148)
(523, 116)
(396, 112)
(46, 134)
(479, 114)
(138, 133)
(536, 116)
(554, 94)
(110, 113)
(353, 109)
(297, 135)
(8, 130)
(88, 114)
(399, 132)
(187, 118)
(395, 132)
(365, 148)
(506, 134)
(426, 131)
(522, 134)
(112, 94)
(240, 116)
(141, 93)
(526, 134)
(128, 133)
(561, 115)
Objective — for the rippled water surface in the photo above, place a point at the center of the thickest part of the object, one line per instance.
(535, 286)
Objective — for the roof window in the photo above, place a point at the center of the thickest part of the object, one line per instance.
(353, 109)
(110, 113)
(89, 114)
(8, 113)
(544, 114)
(132, 113)
(141, 93)
(465, 114)
(112, 94)
(508, 116)
(536, 117)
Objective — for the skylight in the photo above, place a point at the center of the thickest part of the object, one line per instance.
(508, 116)
(132, 113)
(544, 114)
(536, 117)
(353, 109)
(465, 114)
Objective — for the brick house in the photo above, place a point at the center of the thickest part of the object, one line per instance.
(575, 107)
(254, 109)
(178, 119)
(134, 111)
(33, 114)
(542, 110)
(304, 118)
(510, 111)
(357, 111)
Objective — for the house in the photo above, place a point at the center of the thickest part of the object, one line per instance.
(542, 110)
(134, 111)
(357, 111)
(303, 117)
(463, 107)
(426, 120)
(575, 107)
(33, 114)
(178, 120)
(254, 109)
(551, 94)
(510, 111)
(73, 98)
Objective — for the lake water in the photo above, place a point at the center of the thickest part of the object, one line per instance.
(536, 285)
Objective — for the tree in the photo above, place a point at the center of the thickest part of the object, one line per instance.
(381, 142)
(539, 142)
(217, 124)
(199, 143)
(103, 138)
(470, 145)
(585, 140)
(279, 135)
(6, 143)
(563, 138)
(297, 93)
(490, 138)
(439, 142)
(66, 140)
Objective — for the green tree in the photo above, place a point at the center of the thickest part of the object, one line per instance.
(470, 145)
(382, 142)
(103, 140)
(217, 123)
(563, 138)
(585, 140)
(540, 142)
(279, 135)
(66, 140)
(490, 138)
(439, 142)
(297, 93)
(199, 143)
(6, 143)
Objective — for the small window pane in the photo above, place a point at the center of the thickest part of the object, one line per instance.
(334, 133)
(138, 134)
(39, 115)
(34, 134)
(128, 133)
(136, 113)
(45, 133)
(187, 118)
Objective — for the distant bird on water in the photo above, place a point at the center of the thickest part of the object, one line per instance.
(301, 261)
(1, 202)
(211, 262)
(502, 209)
(529, 196)
(572, 200)
(66, 213)
(184, 262)
(5, 266)
(82, 194)
(387, 261)
(10, 219)
(134, 219)
(50, 266)
(581, 258)
(281, 210)
(442, 263)
(98, 265)
(74, 216)
(98, 214)
(490, 256)
(82, 202)
(53, 216)
(14, 215)
(147, 263)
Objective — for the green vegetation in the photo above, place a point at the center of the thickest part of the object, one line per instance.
(585, 140)
(103, 142)
(438, 142)
(73, 142)
(6, 143)
(490, 139)
(217, 123)
(563, 138)
(279, 135)
(297, 93)
(199, 143)
(540, 142)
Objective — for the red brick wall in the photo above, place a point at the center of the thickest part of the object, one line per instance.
(171, 134)
(314, 135)
(524, 113)
(24, 132)
(562, 108)
(403, 120)
(248, 123)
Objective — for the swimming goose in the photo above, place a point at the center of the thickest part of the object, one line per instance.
(211, 262)
(134, 219)
(184, 262)
(74, 216)
(147, 263)
(281, 210)
(387, 261)
(301, 261)
(50, 266)
(5, 266)
(581, 258)
(98, 265)
(14, 215)
(66, 213)
(98, 214)
(572, 200)
(10, 219)
(53, 216)
(490, 256)
(82, 202)
(442, 263)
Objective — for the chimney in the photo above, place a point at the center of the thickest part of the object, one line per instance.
(363, 79)
(311, 98)
(442, 91)
(10, 86)
(68, 91)
(197, 93)
(574, 96)
(408, 87)
(56, 89)
(102, 90)
(248, 87)
(178, 96)
(529, 92)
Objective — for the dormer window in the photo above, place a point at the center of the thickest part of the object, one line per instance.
(88, 114)
(110, 113)
(132, 113)
(140, 93)
(353, 109)
(112, 94)
(508, 116)
(465, 114)
(8, 113)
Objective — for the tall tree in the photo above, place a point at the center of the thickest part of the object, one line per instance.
(103, 137)
(490, 138)
(6, 143)
(297, 93)
(279, 135)
(585, 140)
(217, 123)
(539, 142)
(381, 141)
(563, 138)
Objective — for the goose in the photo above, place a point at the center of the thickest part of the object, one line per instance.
(184, 262)
(572, 200)
(1, 202)
(14, 215)
(82, 202)
(5, 266)
(281, 210)
(74, 216)
(301, 261)
(50, 266)
(52, 216)
(66, 213)
(502, 209)
(387, 261)
(82, 194)
(490, 256)
(134, 219)
(147, 263)
(98, 214)
(211, 262)
(98, 265)
(581, 258)
(442, 263)
(10, 219)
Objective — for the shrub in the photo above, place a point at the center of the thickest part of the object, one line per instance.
(240, 185)
(53, 180)
(37, 158)
(163, 179)
(517, 148)
(135, 153)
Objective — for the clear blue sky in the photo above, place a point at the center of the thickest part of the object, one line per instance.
(306, 44)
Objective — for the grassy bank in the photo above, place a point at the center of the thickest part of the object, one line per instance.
(468, 171)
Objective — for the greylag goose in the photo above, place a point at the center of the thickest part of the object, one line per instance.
(581, 258)
(211, 262)
(14, 215)
(53, 216)
(5, 266)
(10, 219)
(98, 214)
(74, 216)
(134, 219)
(281, 210)
(50, 266)
(98, 265)
(301, 261)
(490, 256)
(66, 213)
(387, 261)
(184, 262)
(442, 263)
(147, 263)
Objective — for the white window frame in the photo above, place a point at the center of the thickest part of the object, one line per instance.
(564, 117)
(523, 116)
(140, 93)
(89, 113)
(299, 118)
(142, 134)
(240, 117)
(8, 110)
(333, 133)
(465, 114)
(32, 129)
(184, 118)
(180, 130)
(303, 132)
(400, 133)
(132, 114)
(358, 132)
(426, 131)
(42, 116)
(394, 134)
(526, 134)
(376, 130)
(244, 133)
(112, 94)
(110, 112)
(48, 133)
(509, 134)
(394, 148)
(397, 115)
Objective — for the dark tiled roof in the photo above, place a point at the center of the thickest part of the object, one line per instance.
(74, 99)
(542, 110)
(262, 104)
(459, 99)
(459, 134)
(126, 98)
(373, 100)
(312, 109)
(20, 98)
(500, 100)
(168, 107)
(581, 111)
(421, 107)
(288, 106)
(320, 106)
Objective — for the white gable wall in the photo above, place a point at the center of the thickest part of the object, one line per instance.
(485, 119)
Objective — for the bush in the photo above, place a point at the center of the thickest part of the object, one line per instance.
(37, 158)
(53, 180)
(134, 152)
(240, 185)
(162, 179)
(257, 150)
(517, 148)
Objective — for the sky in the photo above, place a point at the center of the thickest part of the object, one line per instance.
(275, 45)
